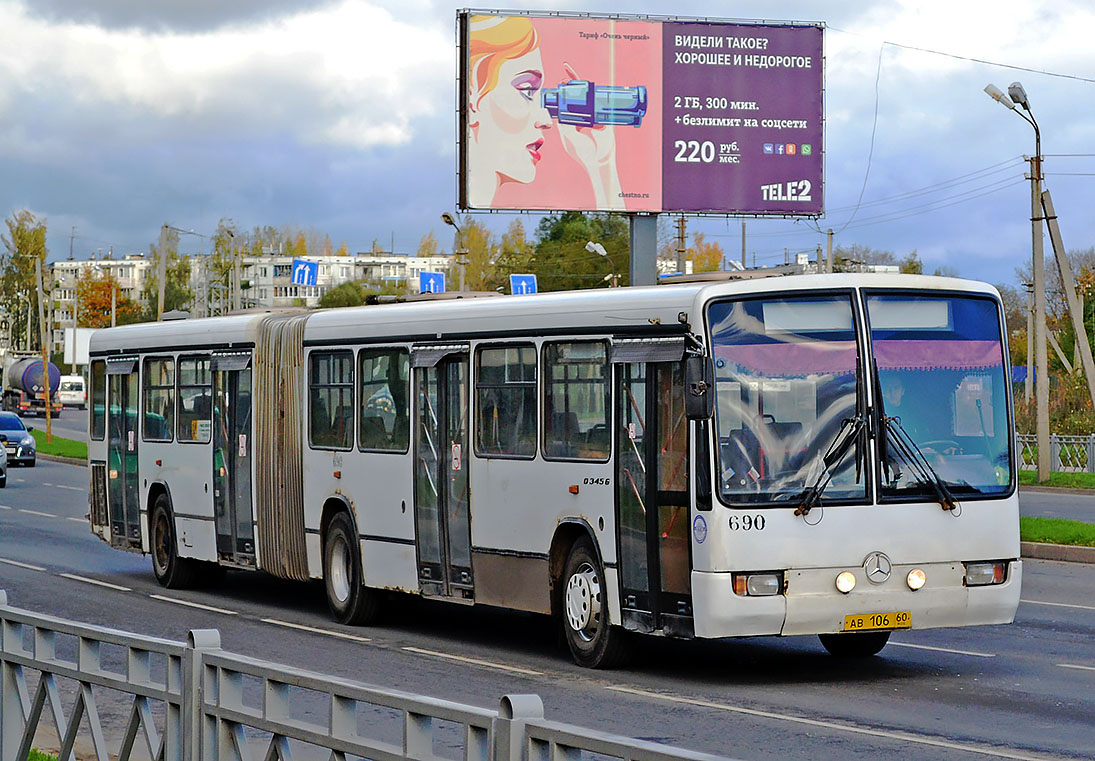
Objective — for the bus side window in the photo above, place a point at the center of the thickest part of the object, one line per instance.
(576, 401)
(505, 401)
(159, 399)
(98, 400)
(195, 400)
(331, 398)
(383, 414)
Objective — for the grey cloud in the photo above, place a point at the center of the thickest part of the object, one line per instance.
(175, 15)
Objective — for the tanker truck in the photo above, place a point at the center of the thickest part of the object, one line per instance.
(24, 386)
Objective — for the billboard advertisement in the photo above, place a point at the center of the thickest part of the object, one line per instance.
(634, 115)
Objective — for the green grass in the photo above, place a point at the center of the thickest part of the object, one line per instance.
(37, 755)
(1062, 480)
(1057, 531)
(59, 446)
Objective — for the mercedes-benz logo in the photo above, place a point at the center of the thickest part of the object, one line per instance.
(877, 566)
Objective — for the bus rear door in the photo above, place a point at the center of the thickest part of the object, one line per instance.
(123, 392)
(232, 447)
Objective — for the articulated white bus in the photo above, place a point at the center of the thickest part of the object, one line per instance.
(827, 455)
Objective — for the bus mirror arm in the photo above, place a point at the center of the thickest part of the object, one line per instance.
(699, 386)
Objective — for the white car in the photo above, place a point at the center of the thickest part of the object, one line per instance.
(72, 392)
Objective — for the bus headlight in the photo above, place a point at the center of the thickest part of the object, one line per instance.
(758, 584)
(982, 574)
(916, 579)
(845, 582)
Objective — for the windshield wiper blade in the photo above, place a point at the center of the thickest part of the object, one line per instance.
(904, 445)
(850, 430)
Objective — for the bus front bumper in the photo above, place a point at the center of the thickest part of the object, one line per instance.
(811, 603)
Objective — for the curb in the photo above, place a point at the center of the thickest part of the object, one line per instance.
(66, 460)
(1063, 552)
(1057, 490)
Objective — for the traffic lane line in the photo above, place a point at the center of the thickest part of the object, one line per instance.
(837, 726)
(37, 512)
(96, 582)
(198, 605)
(314, 630)
(475, 661)
(28, 566)
(1059, 604)
(1076, 666)
(944, 649)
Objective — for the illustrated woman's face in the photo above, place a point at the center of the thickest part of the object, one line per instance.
(512, 121)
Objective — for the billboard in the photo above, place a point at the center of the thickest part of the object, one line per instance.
(612, 114)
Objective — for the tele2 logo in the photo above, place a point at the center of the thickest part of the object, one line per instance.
(788, 149)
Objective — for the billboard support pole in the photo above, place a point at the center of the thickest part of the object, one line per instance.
(644, 249)
(744, 263)
(829, 261)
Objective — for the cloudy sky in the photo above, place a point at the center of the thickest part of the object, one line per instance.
(119, 115)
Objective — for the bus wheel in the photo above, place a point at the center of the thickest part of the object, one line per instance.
(349, 600)
(858, 645)
(593, 642)
(171, 571)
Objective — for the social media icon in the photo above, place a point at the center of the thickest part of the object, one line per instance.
(791, 149)
(769, 148)
(807, 149)
(780, 149)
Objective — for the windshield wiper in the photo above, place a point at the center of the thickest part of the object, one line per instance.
(850, 430)
(904, 446)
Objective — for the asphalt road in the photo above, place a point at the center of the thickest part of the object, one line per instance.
(72, 424)
(1075, 507)
(1024, 691)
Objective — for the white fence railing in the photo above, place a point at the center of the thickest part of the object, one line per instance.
(1067, 454)
(193, 701)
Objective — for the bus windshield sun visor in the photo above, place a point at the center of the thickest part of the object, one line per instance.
(430, 355)
(120, 366)
(666, 349)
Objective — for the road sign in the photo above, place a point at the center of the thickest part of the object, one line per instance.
(431, 282)
(305, 273)
(520, 285)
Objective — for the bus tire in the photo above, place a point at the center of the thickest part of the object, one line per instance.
(171, 571)
(857, 645)
(593, 641)
(350, 601)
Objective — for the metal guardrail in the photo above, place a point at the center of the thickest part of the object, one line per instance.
(1067, 454)
(191, 701)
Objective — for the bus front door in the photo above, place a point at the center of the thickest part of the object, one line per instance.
(652, 498)
(124, 492)
(232, 447)
(442, 521)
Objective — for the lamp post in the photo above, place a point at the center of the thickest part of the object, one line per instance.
(461, 254)
(1041, 378)
(597, 248)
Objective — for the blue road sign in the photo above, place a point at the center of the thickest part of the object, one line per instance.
(305, 273)
(520, 285)
(431, 282)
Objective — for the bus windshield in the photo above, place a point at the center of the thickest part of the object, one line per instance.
(786, 379)
(940, 364)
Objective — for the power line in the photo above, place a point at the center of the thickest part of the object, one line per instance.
(870, 151)
(902, 215)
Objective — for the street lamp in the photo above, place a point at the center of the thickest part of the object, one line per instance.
(461, 254)
(1041, 364)
(597, 248)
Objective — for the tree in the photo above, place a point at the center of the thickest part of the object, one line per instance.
(177, 292)
(351, 294)
(515, 256)
(911, 264)
(562, 261)
(24, 243)
(481, 250)
(428, 246)
(342, 250)
(705, 257)
(93, 298)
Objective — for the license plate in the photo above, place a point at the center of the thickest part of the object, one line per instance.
(863, 622)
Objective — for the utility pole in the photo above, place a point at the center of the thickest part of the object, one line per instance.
(681, 228)
(161, 272)
(819, 258)
(829, 251)
(71, 241)
(44, 330)
(1029, 382)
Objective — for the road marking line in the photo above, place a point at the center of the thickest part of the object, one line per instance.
(1074, 666)
(22, 565)
(70, 488)
(4, 507)
(96, 582)
(315, 630)
(475, 661)
(900, 736)
(78, 520)
(1060, 604)
(189, 604)
(945, 650)
(37, 512)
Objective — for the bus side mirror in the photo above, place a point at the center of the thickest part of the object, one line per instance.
(699, 388)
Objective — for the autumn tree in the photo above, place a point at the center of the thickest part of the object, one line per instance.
(562, 261)
(428, 246)
(93, 298)
(24, 243)
(515, 256)
(705, 257)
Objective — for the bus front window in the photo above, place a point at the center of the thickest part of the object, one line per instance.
(940, 364)
(786, 371)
